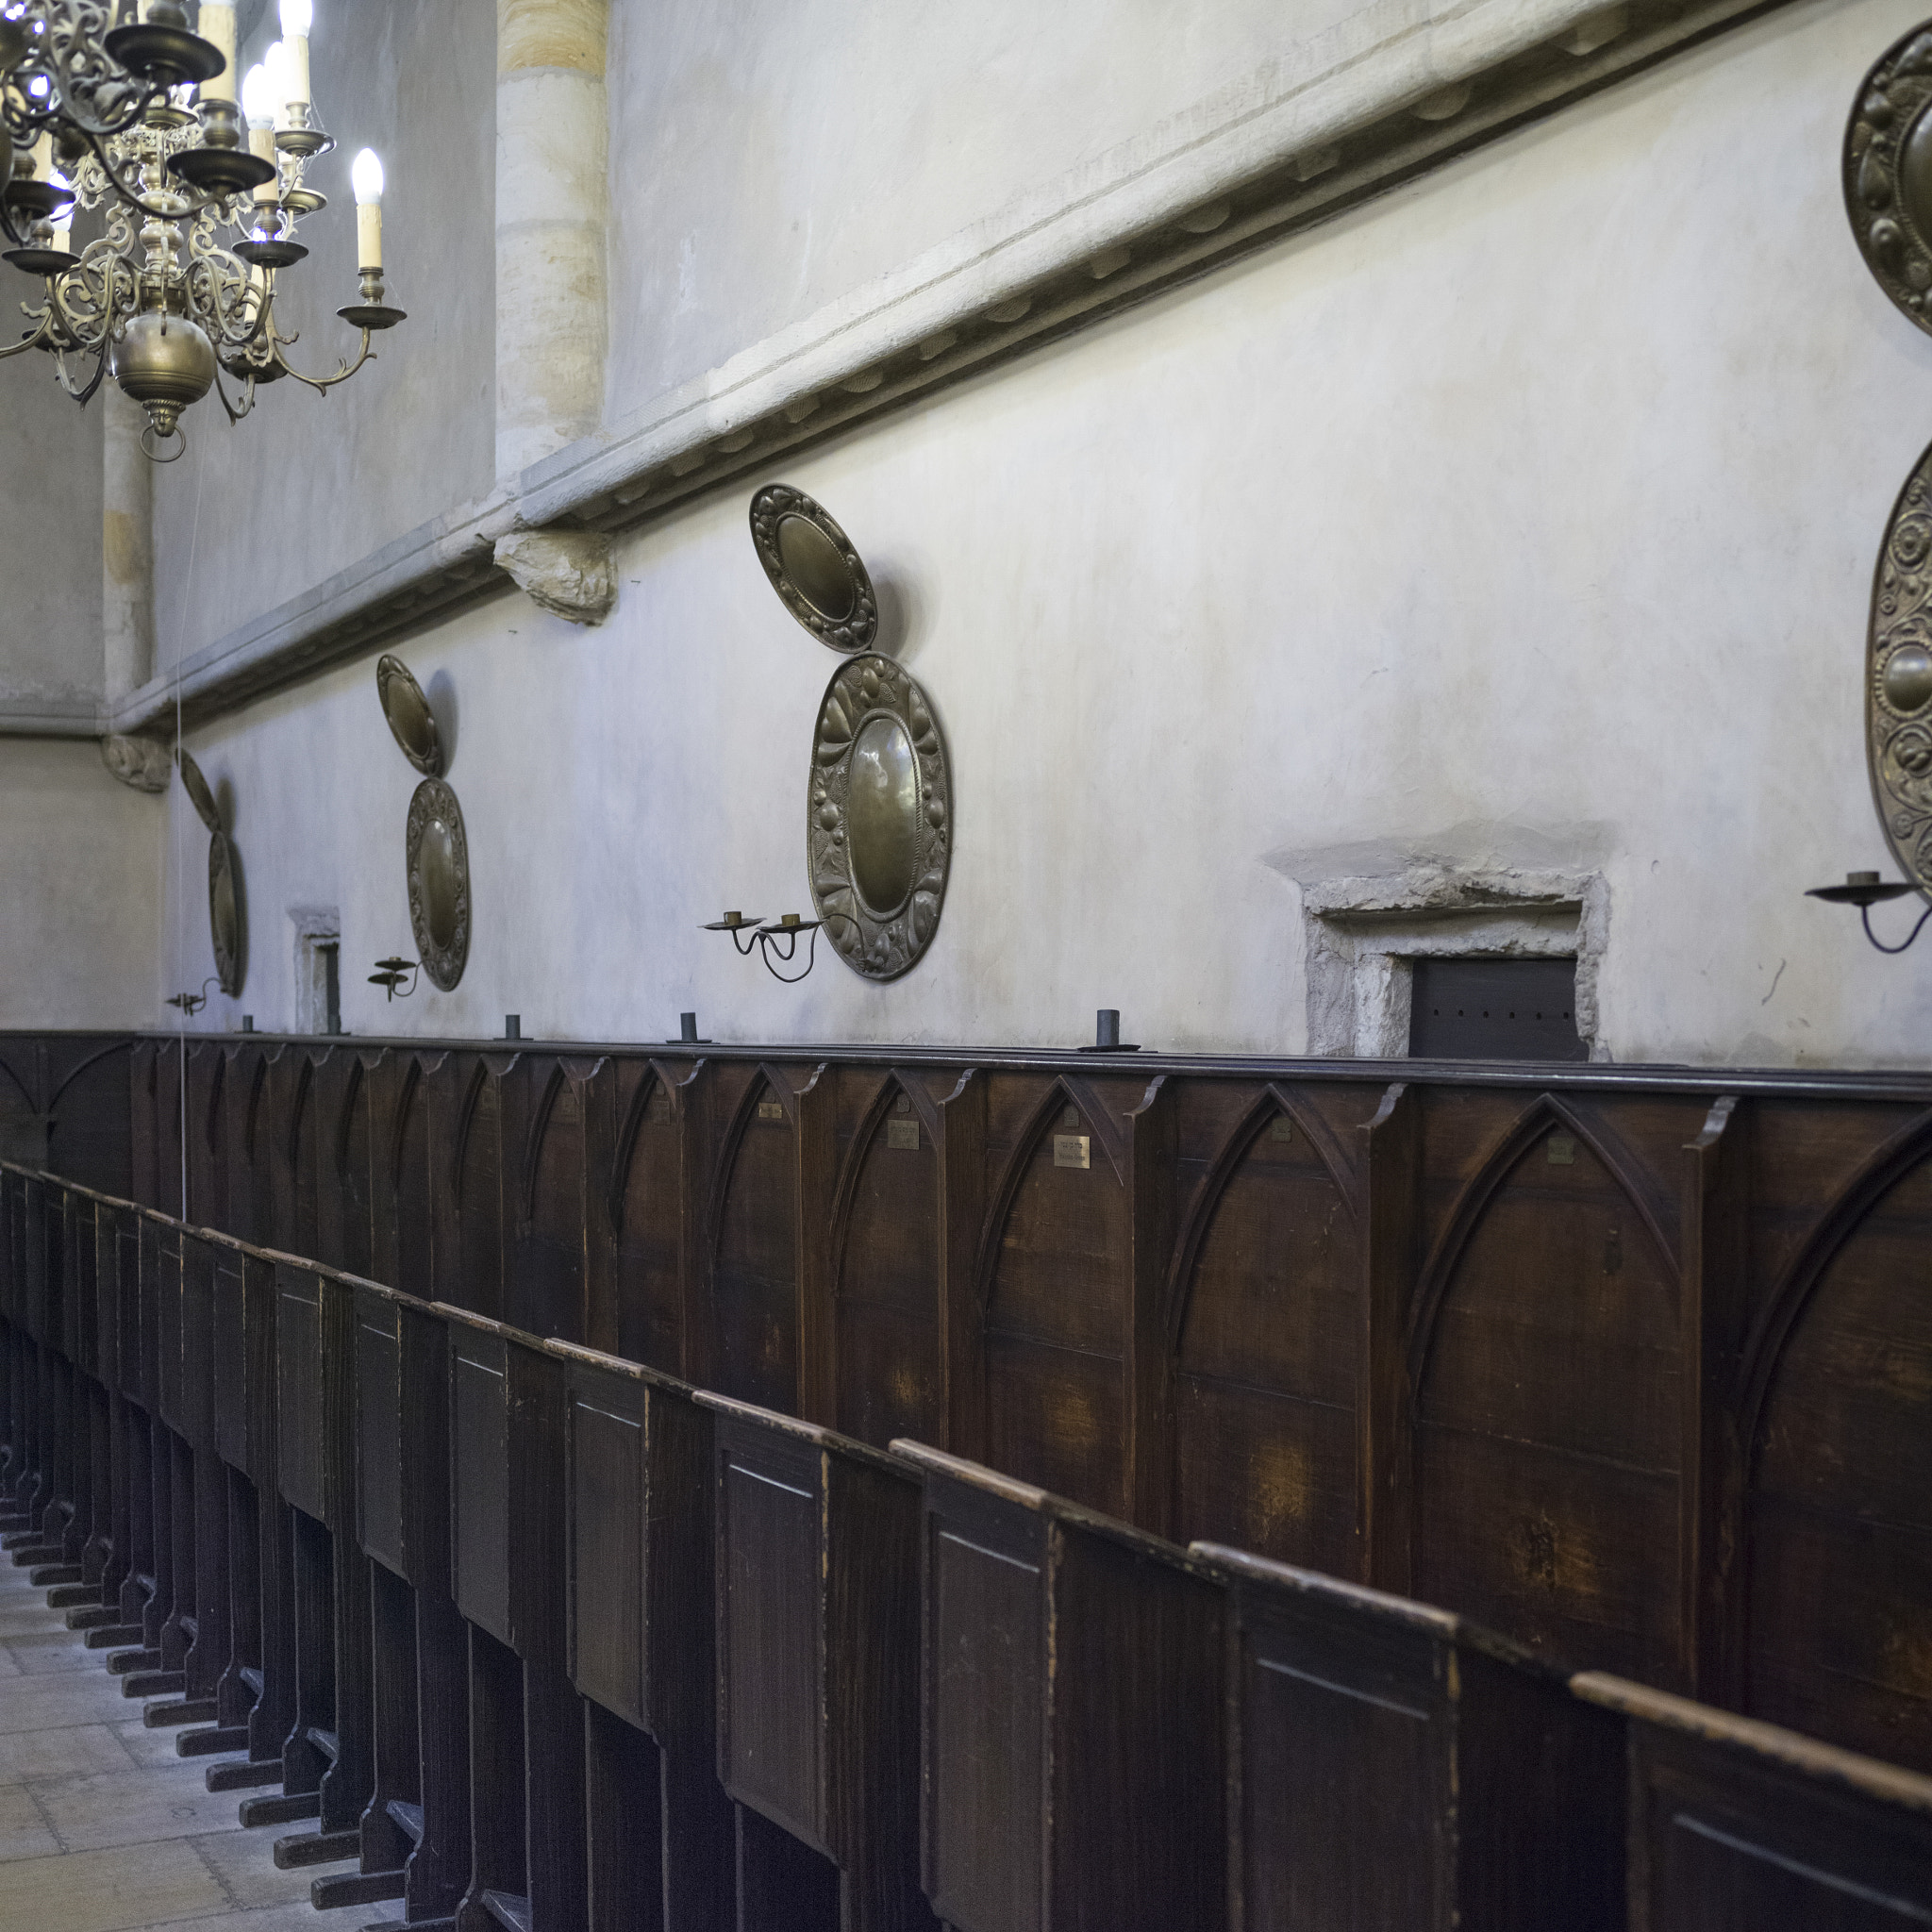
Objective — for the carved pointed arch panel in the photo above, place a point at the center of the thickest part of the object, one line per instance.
(887, 1230)
(296, 1180)
(646, 1210)
(1269, 1319)
(409, 1181)
(345, 1220)
(545, 1289)
(1056, 1281)
(1547, 1425)
(1840, 1501)
(479, 1183)
(207, 1121)
(755, 1249)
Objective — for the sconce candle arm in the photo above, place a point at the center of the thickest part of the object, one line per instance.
(767, 941)
(1865, 918)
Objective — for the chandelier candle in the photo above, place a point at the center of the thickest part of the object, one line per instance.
(366, 176)
(258, 106)
(216, 26)
(297, 17)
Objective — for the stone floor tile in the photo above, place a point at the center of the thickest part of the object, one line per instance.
(110, 1891)
(39, 1652)
(23, 1832)
(296, 1918)
(125, 1808)
(60, 1753)
(69, 1697)
(142, 1745)
(245, 1862)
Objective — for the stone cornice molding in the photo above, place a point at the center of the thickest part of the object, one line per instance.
(1397, 89)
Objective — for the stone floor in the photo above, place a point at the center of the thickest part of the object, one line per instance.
(103, 1828)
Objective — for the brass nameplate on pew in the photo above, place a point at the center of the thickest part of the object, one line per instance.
(1562, 1150)
(771, 1110)
(1281, 1128)
(1070, 1150)
(903, 1135)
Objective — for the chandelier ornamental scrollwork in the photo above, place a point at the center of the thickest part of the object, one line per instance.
(121, 111)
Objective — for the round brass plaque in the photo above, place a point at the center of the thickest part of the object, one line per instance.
(198, 789)
(879, 818)
(411, 719)
(1887, 173)
(224, 914)
(1898, 680)
(439, 871)
(817, 574)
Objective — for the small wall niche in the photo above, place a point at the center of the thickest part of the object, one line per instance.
(318, 969)
(1376, 944)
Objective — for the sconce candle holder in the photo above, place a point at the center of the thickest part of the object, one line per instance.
(765, 934)
(1866, 890)
(191, 1002)
(389, 975)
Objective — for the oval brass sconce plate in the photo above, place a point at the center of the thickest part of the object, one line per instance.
(1887, 173)
(1898, 680)
(878, 825)
(225, 914)
(439, 863)
(817, 574)
(411, 719)
(198, 789)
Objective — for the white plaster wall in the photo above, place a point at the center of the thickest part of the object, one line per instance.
(1525, 517)
(50, 550)
(309, 484)
(80, 888)
(770, 156)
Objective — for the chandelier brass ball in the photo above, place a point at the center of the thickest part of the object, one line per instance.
(164, 362)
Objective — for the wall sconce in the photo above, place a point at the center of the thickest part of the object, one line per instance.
(1866, 890)
(191, 1002)
(389, 975)
(765, 935)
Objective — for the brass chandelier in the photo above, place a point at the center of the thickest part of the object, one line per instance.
(115, 105)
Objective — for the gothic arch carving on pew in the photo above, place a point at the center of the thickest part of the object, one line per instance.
(1544, 1115)
(298, 1108)
(768, 1079)
(1272, 1102)
(217, 1093)
(75, 1071)
(533, 1148)
(876, 1110)
(1065, 1092)
(1764, 1348)
(345, 1119)
(251, 1121)
(626, 1149)
(20, 1085)
(466, 1122)
(399, 1125)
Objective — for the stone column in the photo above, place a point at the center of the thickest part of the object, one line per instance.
(552, 144)
(127, 584)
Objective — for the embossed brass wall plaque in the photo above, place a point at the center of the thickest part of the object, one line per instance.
(817, 574)
(1887, 173)
(1898, 679)
(439, 868)
(409, 717)
(224, 914)
(198, 789)
(879, 818)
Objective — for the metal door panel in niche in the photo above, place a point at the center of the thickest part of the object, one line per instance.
(1494, 1010)
(879, 818)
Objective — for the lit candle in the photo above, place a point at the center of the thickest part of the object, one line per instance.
(276, 68)
(62, 217)
(366, 176)
(44, 157)
(297, 17)
(217, 24)
(258, 106)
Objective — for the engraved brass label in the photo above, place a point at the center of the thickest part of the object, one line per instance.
(1281, 1128)
(771, 1110)
(438, 855)
(1070, 1150)
(903, 1135)
(1898, 680)
(1561, 1150)
(879, 818)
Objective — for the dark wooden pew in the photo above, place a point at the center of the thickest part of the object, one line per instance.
(1074, 1771)
(529, 1870)
(1740, 1826)
(817, 1583)
(329, 1755)
(1393, 1765)
(416, 1831)
(641, 1623)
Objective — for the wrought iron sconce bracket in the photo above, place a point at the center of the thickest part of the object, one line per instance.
(1866, 890)
(389, 975)
(765, 934)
